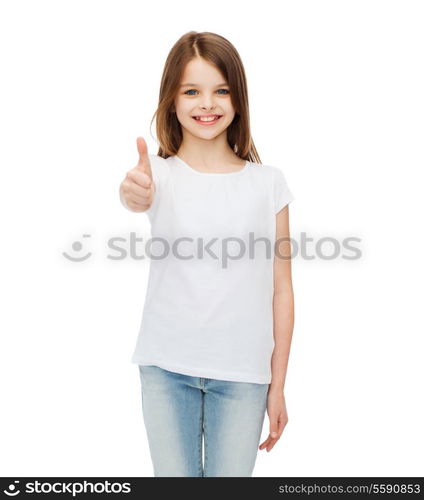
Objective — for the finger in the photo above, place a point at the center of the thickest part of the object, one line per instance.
(281, 425)
(267, 444)
(276, 425)
(273, 427)
(140, 178)
(137, 205)
(270, 443)
(143, 157)
(274, 436)
(140, 199)
(137, 193)
(264, 444)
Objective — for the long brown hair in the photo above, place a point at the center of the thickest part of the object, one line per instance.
(218, 51)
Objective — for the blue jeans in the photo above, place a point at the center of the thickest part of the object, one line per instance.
(180, 410)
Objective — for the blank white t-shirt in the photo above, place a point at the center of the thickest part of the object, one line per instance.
(208, 310)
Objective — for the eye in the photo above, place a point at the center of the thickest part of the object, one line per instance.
(193, 90)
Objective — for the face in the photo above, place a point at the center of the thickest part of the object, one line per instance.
(207, 94)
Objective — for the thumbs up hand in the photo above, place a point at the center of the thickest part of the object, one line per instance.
(137, 189)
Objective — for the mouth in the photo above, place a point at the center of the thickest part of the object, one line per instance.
(211, 119)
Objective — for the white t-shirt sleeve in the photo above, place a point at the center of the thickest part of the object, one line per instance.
(282, 193)
(159, 169)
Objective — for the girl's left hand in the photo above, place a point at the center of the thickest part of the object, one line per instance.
(277, 413)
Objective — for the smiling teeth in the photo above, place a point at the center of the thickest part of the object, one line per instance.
(211, 119)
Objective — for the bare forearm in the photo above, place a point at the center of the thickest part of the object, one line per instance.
(283, 332)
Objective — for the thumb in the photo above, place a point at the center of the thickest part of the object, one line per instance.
(143, 160)
(273, 428)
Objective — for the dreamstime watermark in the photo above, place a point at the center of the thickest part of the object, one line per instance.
(225, 250)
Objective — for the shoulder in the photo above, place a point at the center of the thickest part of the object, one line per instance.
(276, 182)
(272, 173)
(279, 188)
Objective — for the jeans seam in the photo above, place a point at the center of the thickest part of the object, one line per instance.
(204, 434)
(200, 470)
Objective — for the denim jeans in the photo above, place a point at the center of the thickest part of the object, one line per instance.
(179, 411)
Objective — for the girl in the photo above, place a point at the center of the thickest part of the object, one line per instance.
(217, 323)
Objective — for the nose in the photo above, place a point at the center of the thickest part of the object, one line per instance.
(207, 103)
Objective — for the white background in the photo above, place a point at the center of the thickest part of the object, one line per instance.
(336, 102)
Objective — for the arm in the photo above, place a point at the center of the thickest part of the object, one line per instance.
(283, 305)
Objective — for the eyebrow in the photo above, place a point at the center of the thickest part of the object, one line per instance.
(197, 85)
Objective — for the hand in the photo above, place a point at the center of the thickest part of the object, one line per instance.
(277, 413)
(138, 188)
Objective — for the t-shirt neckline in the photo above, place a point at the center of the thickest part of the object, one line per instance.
(187, 166)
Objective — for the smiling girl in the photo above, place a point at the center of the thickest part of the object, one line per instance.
(216, 330)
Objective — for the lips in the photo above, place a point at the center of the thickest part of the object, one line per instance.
(205, 116)
(209, 122)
